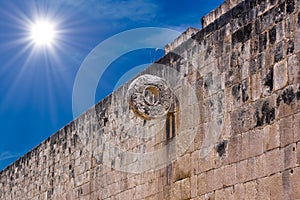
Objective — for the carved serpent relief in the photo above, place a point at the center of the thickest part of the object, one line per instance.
(150, 97)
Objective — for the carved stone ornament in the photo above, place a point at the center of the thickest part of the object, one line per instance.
(150, 97)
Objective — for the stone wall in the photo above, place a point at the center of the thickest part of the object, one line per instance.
(218, 117)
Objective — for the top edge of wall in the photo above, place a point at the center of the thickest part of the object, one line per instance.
(216, 13)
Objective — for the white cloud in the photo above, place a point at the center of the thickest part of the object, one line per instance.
(7, 155)
(135, 10)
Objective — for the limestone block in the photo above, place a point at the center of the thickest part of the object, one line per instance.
(295, 183)
(255, 143)
(280, 75)
(239, 191)
(263, 188)
(286, 131)
(241, 171)
(276, 186)
(290, 156)
(274, 161)
(296, 127)
(230, 175)
(294, 69)
(218, 178)
(194, 186)
(235, 148)
(201, 184)
(251, 190)
(256, 87)
(209, 181)
(271, 136)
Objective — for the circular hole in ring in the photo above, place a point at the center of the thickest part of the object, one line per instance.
(292, 171)
(151, 95)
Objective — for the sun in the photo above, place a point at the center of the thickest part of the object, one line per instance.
(43, 33)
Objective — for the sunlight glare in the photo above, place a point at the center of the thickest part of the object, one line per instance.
(43, 33)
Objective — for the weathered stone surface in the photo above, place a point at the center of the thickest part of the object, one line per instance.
(239, 191)
(294, 69)
(222, 108)
(280, 75)
(286, 131)
(271, 137)
(150, 97)
(295, 193)
(296, 127)
(276, 186)
(263, 188)
(274, 161)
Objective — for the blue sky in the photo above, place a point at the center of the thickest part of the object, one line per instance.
(36, 83)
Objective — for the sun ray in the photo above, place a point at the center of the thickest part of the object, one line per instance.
(33, 56)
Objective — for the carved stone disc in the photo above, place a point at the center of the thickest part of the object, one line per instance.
(150, 97)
